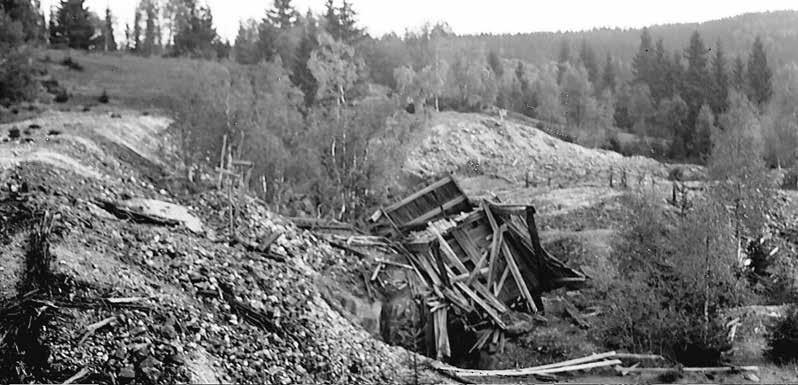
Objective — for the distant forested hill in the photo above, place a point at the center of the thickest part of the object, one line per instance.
(779, 31)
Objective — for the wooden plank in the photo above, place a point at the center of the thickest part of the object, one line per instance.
(426, 217)
(493, 224)
(477, 272)
(573, 312)
(488, 309)
(491, 298)
(465, 277)
(457, 299)
(519, 279)
(500, 285)
(498, 240)
(449, 253)
(545, 369)
(442, 347)
(467, 245)
(419, 193)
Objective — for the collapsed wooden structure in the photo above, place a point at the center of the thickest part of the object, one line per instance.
(474, 258)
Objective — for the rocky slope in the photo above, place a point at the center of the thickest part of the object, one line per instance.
(124, 300)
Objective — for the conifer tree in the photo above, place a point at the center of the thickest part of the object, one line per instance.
(608, 75)
(137, 30)
(282, 15)
(588, 58)
(73, 25)
(495, 64)
(109, 41)
(739, 75)
(759, 74)
(718, 100)
(642, 63)
(563, 60)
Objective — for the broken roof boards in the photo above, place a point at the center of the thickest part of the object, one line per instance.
(473, 257)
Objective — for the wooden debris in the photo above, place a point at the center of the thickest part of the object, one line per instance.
(376, 272)
(573, 312)
(392, 263)
(442, 348)
(519, 279)
(91, 329)
(641, 357)
(546, 369)
(79, 375)
(721, 369)
(125, 300)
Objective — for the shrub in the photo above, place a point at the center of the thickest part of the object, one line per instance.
(680, 288)
(62, 96)
(16, 72)
(104, 99)
(72, 64)
(783, 338)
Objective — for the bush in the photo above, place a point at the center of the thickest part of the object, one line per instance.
(16, 72)
(72, 64)
(104, 99)
(680, 288)
(783, 338)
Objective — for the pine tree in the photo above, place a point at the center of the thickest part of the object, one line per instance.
(658, 78)
(137, 29)
(73, 25)
(52, 29)
(704, 126)
(27, 14)
(739, 74)
(720, 81)
(347, 18)
(332, 24)
(196, 36)
(108, 32)
(282, 15)
(150, 10)
(127, 36)
(642, 63)
(697, 81)
(588, 58)
(301, 75)
(495, 64)
(563, 59)
(608, 75)
(759, 74)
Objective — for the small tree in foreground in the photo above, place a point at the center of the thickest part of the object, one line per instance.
(783, 338)
(681, 288)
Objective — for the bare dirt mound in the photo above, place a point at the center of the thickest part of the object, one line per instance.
(109, 298)
(511, 149)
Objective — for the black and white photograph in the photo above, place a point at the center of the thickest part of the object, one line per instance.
(398, 192)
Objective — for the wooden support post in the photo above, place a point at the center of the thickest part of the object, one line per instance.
(519, 279)
(221, 160)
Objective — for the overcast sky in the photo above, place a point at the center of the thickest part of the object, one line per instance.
(475, 16)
